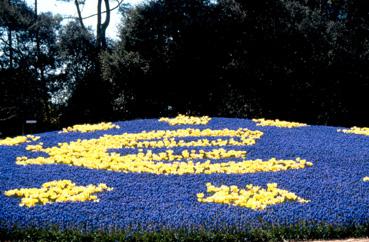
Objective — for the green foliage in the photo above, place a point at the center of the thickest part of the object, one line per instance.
(27, 63)
(78, 86)
(289, 59)
(286, 59)
(302, 231)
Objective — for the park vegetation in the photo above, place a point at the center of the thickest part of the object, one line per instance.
(301, 60)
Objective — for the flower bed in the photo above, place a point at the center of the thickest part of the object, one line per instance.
(151, 174)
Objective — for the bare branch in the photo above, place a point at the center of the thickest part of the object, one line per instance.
(9, 46)
(8, 118)
(112, 9)
(7, 110)
(79, 14)
(95, 14)
(4, 41)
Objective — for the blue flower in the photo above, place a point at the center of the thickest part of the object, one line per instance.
(334, 184)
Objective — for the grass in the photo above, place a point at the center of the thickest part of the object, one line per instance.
(301, 231)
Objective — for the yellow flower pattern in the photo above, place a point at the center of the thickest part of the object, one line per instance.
(84, 128)
(355, 130)
(93, 153)
(183, 119)
(253, 197)
(278, 123)
(57, 191)
(18, 140)
(98, 153)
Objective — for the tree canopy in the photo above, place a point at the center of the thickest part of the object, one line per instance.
(303, 60)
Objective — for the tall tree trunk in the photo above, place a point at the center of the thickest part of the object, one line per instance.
(40, 65)
(11, 54)
(98, 27)
(10, 39)
(102, 26)
(105, 25)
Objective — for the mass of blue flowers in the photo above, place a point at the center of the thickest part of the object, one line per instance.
(334, 184)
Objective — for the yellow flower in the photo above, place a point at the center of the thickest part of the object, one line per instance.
(18, 140)
(355, 130)
(94, 153)
(278, 123)
(83, 128)
(57, 191)
(253, 197)
(183, 119)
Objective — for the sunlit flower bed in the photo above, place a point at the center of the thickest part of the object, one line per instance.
(18, 140)
(84, 128)
(356, 130)
(185, 172)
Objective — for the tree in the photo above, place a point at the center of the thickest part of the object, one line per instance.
(89, 98)
(80, 87)
(286, 59)
(25, 93)
(101, 27)
(170, 42)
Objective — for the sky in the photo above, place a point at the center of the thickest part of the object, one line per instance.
(69, 9)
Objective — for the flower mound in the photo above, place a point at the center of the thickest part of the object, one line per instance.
(183, 119)
(158, 172)
(56, 192)
(84, 128)
(278, 123)
(252, 197)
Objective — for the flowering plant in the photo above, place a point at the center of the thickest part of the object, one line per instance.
(158, 173)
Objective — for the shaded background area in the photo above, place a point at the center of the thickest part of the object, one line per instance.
(298, 60)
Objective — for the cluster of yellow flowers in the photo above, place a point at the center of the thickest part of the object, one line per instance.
(355, 130)
(94, 154)
(94, 157)
(84, 128)
(57, 191)
(35, 148)
(18, 140)
(183, 119)
(277, 123)
(98, 147)
(366, 178)
(167, 155)
(253, 197)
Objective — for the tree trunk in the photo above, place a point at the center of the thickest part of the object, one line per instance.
(101, 27)
(38, 45)
(11, 55)
(10, 40)
(105, 25)
(98, 27)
